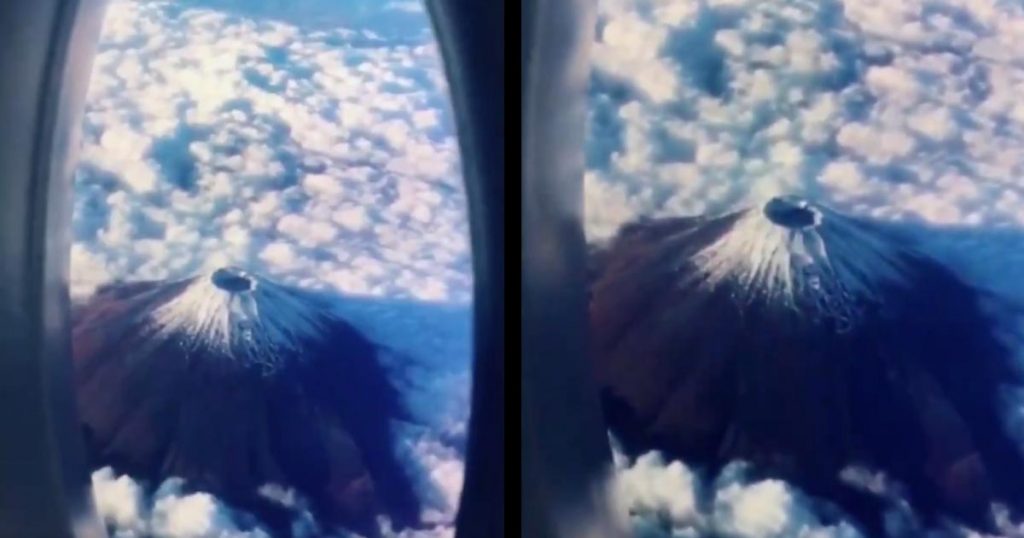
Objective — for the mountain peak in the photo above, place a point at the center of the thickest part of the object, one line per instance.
(246, 317)
(804, 257)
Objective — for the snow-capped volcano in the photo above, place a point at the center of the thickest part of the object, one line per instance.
(248, 319)
(235, 383)
(806, 342)
(795, 254)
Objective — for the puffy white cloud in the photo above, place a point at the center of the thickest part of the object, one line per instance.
(878, 146)
(119, 500)
(889, 81)
(933, 122)
(663, 499)
(279, 255)
(760, 509)
(844, 176)
(130, 512)
(193, 516)
(651, 486)
(305, 232)
(353, 218)
(322, 185)
(628, 49)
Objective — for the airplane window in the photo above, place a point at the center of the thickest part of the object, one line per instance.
(804, 222)
(271, 276)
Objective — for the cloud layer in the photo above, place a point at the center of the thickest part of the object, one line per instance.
(904, 111)
(322, 157)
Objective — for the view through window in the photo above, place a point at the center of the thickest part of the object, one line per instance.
(805, 220)
(271, 272)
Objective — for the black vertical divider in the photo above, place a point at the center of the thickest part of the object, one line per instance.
(472, 41)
